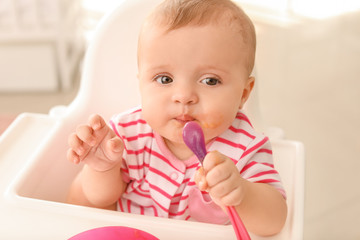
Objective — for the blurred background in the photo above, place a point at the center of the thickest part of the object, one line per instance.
(308, 76)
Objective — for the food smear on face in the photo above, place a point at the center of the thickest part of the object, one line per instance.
(211, 124)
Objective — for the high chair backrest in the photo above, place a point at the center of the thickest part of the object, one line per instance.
(109, 83)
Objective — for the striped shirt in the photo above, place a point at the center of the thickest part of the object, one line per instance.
(161, 185)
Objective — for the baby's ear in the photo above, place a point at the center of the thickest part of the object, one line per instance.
(249, 85)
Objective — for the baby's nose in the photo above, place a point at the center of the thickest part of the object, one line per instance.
(185, 95)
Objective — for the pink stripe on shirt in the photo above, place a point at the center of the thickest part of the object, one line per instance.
(128, 124)
(259, 144)
(236, 130)
(230, 143)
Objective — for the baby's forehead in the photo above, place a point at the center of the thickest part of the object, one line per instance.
(154, 33)
(222, 13)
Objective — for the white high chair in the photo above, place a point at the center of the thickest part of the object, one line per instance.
(35, 174)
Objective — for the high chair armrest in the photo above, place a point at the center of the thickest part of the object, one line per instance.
(27, 133)
(58, 111)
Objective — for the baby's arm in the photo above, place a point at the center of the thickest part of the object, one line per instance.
(99, 184)
(261, 207)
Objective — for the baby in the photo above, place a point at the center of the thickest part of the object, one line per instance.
(195, 58)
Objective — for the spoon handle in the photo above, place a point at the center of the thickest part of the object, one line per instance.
(239, 228)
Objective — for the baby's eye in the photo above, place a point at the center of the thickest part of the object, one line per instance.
(163, 79)
(210, 81)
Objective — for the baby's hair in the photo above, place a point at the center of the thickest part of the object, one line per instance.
(175, 14)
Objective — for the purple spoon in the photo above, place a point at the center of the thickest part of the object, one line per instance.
(194, 138)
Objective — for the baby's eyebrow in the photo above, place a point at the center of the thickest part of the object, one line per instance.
(211, 68)
(157, 68)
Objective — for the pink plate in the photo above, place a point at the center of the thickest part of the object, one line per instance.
(114, 233)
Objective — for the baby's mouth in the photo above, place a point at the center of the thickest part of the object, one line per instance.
(184, 119)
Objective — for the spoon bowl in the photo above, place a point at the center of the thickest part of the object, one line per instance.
(194, 138)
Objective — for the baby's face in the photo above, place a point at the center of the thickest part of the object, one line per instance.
(194, 73)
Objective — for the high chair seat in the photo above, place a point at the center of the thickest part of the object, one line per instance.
(35, 175)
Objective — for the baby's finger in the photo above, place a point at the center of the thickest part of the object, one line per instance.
(115, 144)
(96, 122)
(114, 148)
(221, 189)
(233, 198)
(85, 134)
(217, 168)
(200, 179)
(72, 156)
(213, 159)
(76, 144)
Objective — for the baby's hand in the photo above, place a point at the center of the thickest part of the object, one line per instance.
(96, 144)
(220, 177)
